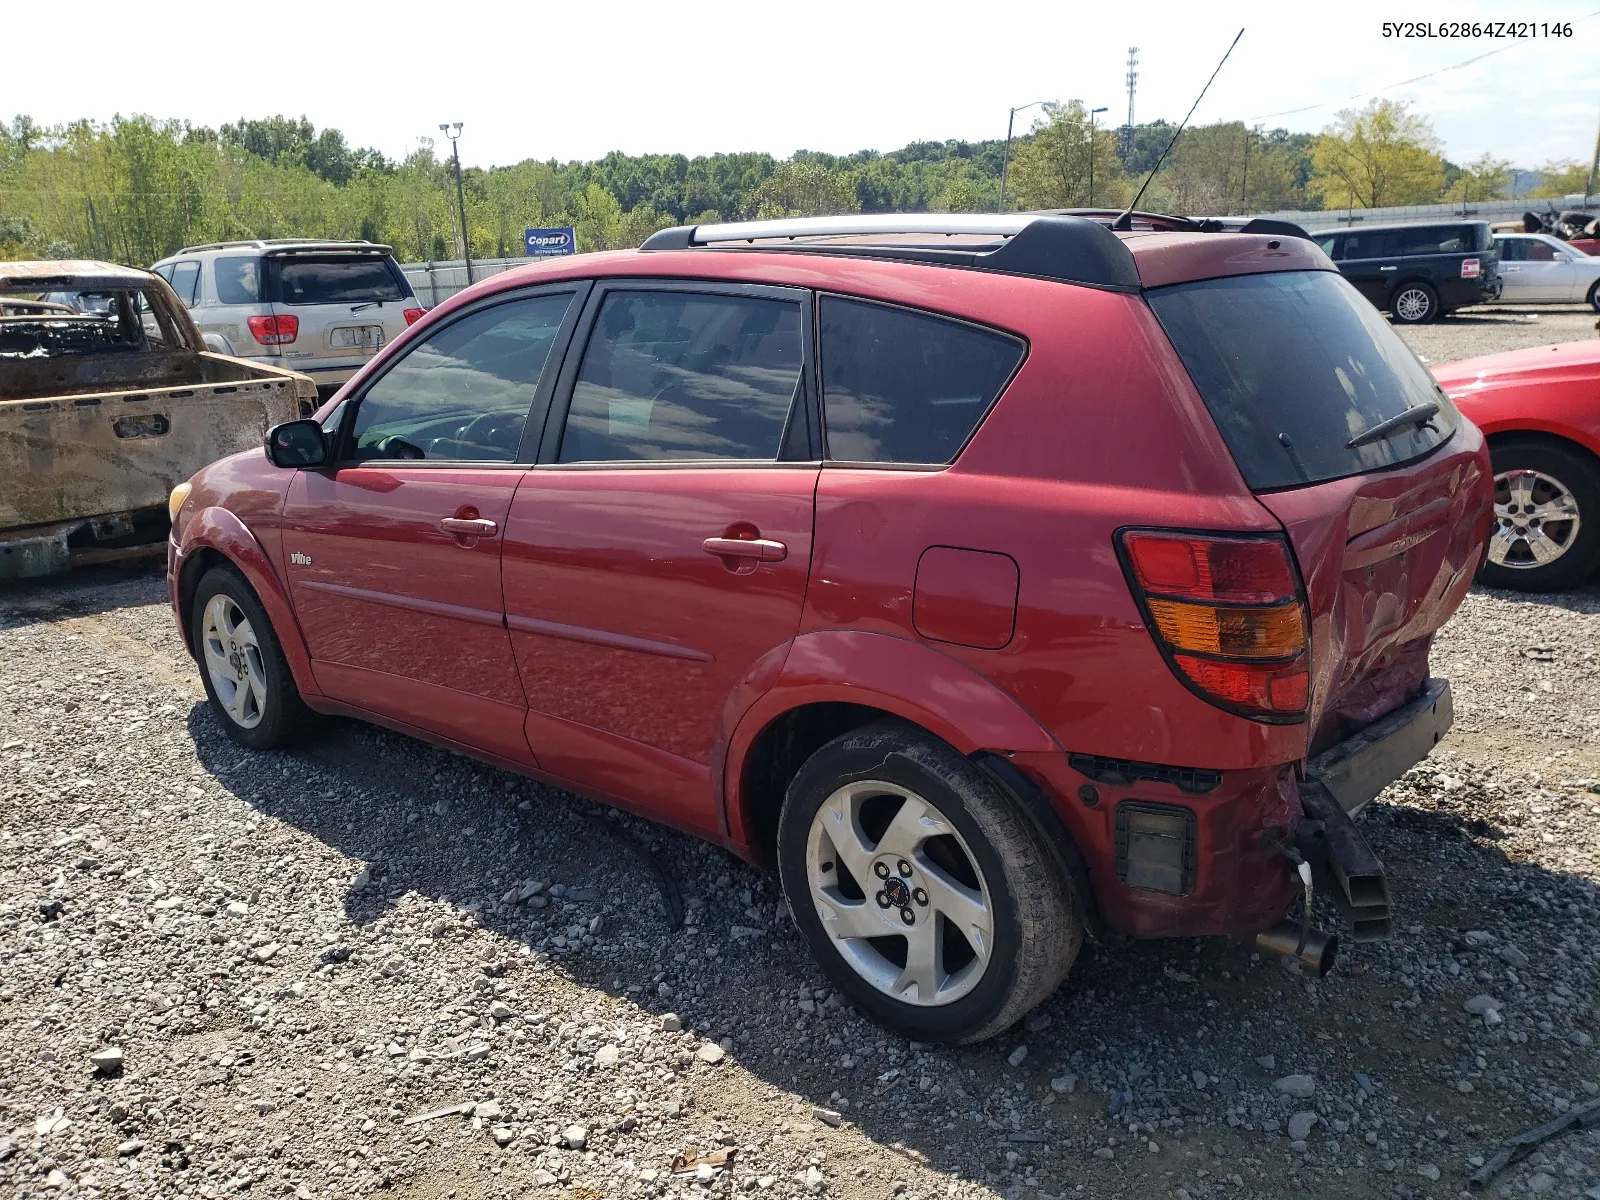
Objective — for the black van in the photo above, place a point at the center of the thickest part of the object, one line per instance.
(1417, 272)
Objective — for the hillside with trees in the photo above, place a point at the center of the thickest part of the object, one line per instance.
(136, 188)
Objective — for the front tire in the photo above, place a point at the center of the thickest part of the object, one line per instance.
(1546, 536)
(924, 893)
(1414, 304)
(1594, 296)
(247, 679)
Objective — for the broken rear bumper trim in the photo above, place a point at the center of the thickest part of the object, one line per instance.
(1360, 767)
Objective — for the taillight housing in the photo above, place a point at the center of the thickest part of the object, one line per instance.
(1471, 268)
(413, 315)
(275, 331)
(1228, 614)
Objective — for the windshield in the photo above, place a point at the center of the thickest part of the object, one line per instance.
(1293, 366)
(336, 279)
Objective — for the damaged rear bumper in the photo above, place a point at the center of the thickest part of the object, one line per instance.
(1342, 781)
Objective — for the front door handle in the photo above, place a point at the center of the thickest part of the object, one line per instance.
(760, 549)
(1388, 268)
(469, 526)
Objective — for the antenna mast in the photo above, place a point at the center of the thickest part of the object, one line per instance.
(1133, 80)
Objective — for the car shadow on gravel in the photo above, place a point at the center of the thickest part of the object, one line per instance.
(86, 592)
(1146, 1020)
(1584, 599)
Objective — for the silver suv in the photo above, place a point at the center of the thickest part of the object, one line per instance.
(322, 308)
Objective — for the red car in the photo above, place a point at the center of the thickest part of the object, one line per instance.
(1540, 410)
(998, 579)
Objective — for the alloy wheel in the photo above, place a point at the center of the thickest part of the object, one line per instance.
(233, 662)
(1412, 304)
(1536, 520)
(900, 892)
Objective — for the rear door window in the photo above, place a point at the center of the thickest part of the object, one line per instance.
(185, 280)
(1292, 367)
(907, 387)
(335, 279)
(1512, 249)
(1369, 243)
(683, 375)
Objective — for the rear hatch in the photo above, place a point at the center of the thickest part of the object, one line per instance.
(1388, 527)
(347, 305)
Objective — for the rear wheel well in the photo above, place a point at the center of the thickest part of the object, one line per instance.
(777, 755)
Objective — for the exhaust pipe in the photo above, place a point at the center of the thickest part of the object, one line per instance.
(1316, 956)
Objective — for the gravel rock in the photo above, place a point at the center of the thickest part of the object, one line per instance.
(1299, 1087)
(1300, 1125)
(576, 1137)
(107, 1061)
(710, 1053)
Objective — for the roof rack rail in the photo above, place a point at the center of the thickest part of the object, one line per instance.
(266, 243)
(1068, 249)
(1173, 223)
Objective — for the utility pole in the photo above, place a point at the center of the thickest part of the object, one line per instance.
(1244, 186)
(1133, 79)
(1005, 159)
(1092, 112)
(1594, 169)
(452, 130)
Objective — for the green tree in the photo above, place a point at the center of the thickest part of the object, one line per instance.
(1558, 179)
(1050, 169)
(803, 189)
(1375, 157)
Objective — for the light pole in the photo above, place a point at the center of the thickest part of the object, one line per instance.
(1005, 160)
(1092, 112)
(452, 130)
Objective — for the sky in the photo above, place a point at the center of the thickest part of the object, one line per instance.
(575, 81)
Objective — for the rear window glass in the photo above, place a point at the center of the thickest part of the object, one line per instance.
(906, 387)
(337, 279)
(1292, 367)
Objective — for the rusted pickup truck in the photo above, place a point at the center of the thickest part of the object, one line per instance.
(108, 399)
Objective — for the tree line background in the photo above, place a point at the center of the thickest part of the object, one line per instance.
(136, 189)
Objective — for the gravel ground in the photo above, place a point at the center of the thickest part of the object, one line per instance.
(299, 954)
(1490, 329)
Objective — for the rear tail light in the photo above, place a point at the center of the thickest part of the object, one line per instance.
(1471, 268)
(275, 331)
(1229, 616)
(413, 315)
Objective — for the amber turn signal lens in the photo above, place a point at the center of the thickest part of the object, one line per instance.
(176, 499)
(1276, 632)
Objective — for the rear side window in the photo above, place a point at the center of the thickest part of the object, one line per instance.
(1292, 367)
(680, 375)
(1512, 249)
(335, 279)
(1434, 239)
(238, 280)
(906, 387)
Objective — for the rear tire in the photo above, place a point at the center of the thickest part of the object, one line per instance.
(247, 679)
(1594, 296)
(965, 922)
(1414, 304)
(1546, 536)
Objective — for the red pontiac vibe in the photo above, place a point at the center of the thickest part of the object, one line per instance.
(1540, 410)
(998, 579)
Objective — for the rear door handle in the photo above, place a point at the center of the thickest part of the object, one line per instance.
(1388, 268)
(760, 549)
(469, 526)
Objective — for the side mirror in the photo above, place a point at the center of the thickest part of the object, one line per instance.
(297, 444)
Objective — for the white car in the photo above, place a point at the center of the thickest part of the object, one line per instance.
(321, 308)
(1539, 269)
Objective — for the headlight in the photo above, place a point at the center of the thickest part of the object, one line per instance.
(175, 501)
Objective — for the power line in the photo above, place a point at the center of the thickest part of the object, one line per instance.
(1402, 83)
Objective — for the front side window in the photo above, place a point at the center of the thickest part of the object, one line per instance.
(682, 375)
(1329, 245)
(238, 280)
(1541, 251)
(1366, 244)
(464, 393)
(906, 387)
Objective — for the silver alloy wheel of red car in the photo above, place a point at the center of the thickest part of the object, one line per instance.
(233, 661)
(1536, 520)
(899, 916)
